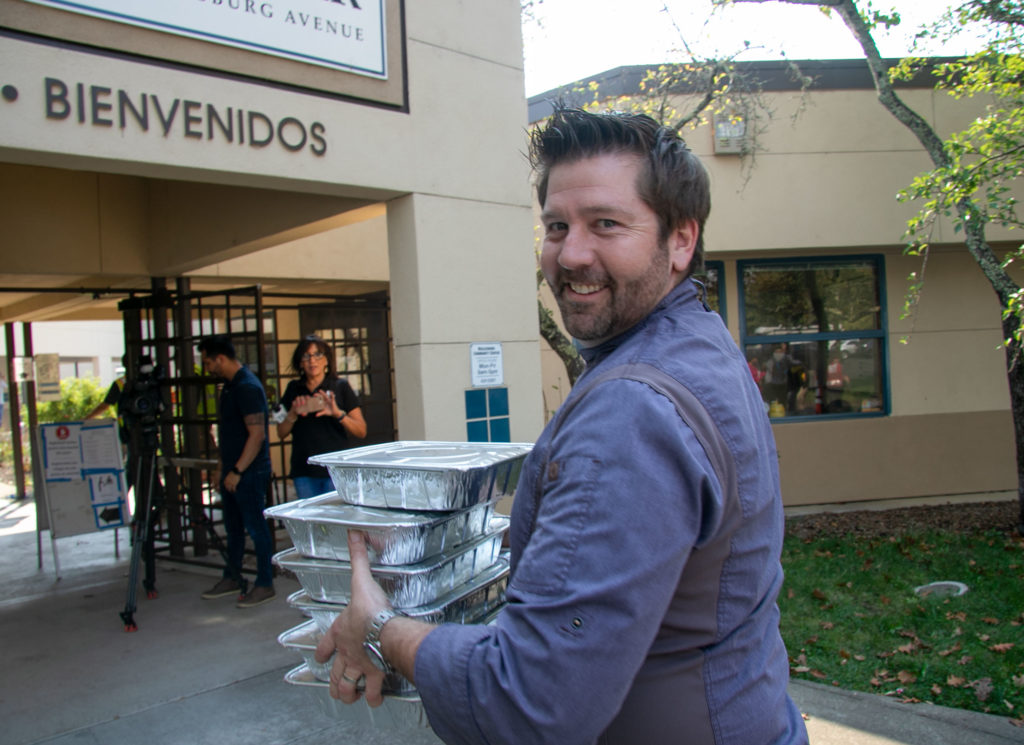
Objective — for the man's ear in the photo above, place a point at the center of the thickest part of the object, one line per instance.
(682, 242)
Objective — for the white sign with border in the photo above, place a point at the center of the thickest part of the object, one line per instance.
(488, 369)
(344, 34)
(47, 377)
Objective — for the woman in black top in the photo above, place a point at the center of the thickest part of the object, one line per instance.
(323, 415)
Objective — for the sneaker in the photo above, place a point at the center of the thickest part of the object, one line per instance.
(226, 586)
(257, 596)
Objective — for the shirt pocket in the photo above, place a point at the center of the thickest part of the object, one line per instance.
(562, 515)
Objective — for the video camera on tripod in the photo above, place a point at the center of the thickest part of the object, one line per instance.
(140, 406)
(141, 399)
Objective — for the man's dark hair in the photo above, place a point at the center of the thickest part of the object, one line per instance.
(211, 346)
(322, 346)
(673, 182)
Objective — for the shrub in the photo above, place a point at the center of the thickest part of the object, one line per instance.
(78, 396)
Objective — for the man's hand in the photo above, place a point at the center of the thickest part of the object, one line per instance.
(348, 631)
(231, 481)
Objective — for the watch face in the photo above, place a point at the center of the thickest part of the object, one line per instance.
(374, 653)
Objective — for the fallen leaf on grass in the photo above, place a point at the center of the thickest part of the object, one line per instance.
(906, 677)
(946, 652)
(982, 688)
(827, 625)
(955, 681)
(964, 660)
(1002, 648)
(906, 648)
(818, 674)
(936, 689)
(1018, 680)
(861, 658)
(818, 595)
(990, 621)
(958, 616)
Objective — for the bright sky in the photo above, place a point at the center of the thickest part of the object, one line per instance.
(578, 38)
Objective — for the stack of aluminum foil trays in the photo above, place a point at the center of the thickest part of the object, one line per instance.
(428, 512)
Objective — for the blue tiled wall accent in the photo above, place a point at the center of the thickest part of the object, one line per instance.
(487, 415)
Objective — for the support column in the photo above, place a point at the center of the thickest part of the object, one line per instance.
(461, 272)
(14, 403)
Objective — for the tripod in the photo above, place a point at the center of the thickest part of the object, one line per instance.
(147, 514)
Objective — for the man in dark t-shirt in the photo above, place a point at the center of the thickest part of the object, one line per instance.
(244, 471)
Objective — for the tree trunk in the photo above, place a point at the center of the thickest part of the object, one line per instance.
(560, 343)
(1015, 377)
(970, 219)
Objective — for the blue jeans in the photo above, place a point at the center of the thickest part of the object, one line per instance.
(311, 486)
(243, 513)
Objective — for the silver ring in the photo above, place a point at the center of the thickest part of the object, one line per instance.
(359, 683)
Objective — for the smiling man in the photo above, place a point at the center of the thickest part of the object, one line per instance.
(647, 523)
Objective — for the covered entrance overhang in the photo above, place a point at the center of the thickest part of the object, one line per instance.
(176, 260)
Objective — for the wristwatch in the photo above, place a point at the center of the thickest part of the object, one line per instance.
(372, 642)
(234, 470)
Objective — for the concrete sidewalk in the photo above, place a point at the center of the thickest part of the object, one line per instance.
(203, 672)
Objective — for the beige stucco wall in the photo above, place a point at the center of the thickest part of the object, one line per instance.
(164, 203)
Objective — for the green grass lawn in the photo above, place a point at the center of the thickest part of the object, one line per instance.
(850, 617)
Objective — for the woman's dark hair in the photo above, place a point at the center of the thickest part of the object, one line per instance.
(303, 346)
(673, 182)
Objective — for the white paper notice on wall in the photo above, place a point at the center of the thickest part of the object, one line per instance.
(488, 370)
(47, 377)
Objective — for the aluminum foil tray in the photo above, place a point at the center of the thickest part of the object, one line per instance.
(398, 712)
(304, 638)
(430, 476)
(319, 529)
(406, 586)
(468, 603)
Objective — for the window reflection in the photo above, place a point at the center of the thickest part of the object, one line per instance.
(813, 334)
(823, 377)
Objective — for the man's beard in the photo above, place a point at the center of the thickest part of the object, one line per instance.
(627, 303)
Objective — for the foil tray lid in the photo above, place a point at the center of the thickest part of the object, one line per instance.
(304, 636)
(293, 560)
(301, 600)
(330, 508)
(420, 455)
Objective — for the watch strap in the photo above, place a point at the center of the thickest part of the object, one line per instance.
(377, 625)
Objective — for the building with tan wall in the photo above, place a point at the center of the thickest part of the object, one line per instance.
(805, 248)
(321, 148)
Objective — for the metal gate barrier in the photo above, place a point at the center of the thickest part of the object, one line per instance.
(166, 326)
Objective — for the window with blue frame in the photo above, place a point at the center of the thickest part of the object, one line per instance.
(487, 415)
(711, 277)
(814, 334)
